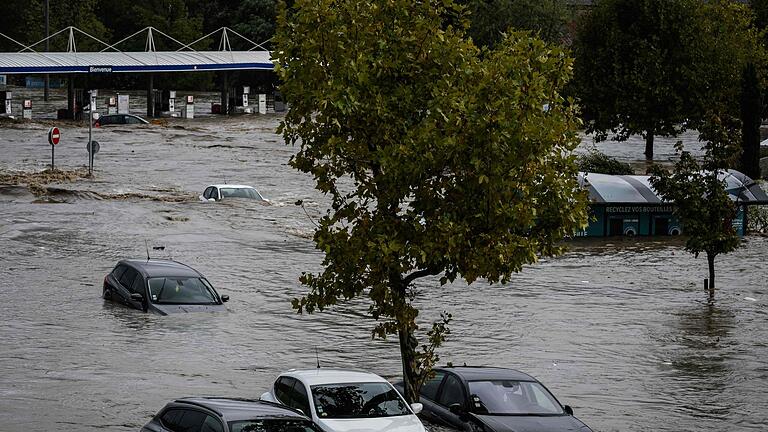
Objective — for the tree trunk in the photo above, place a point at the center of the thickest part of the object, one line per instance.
(408, 355)
(751, 110)
(711, 263)
(649, 145)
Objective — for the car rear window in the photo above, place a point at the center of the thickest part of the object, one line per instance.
(271, 426)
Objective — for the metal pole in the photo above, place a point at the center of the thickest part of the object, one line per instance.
(151, 97)
(47, 48)
(52, 147)
(90, 133)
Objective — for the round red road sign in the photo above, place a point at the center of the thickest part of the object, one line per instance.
(54, 135)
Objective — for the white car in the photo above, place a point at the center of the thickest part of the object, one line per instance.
(346, 400)
(226, 191)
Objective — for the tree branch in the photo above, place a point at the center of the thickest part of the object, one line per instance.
(418, 274)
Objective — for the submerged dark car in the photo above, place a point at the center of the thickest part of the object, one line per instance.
(494, 399)
(162, 286)
(202, 414)
(119, 119)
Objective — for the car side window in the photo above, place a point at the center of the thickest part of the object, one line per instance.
(138, 284)
(283, 390)
(452, 392)
(118, 271)
(300, 398)
(216, 194)
(191, 421)
(170, 419)
(211, 424)
(429, 389)
(126, 279)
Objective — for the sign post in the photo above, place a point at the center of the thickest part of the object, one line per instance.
(91, 115)
(53, 138)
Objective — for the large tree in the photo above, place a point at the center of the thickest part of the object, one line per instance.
(440, 159)
(633, 67)
(657, 67)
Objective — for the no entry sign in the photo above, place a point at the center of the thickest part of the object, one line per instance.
(54, 136)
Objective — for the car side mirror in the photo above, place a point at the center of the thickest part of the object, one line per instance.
(459, 410)
(224, 298)
(417, 407)
(137, 297)
(568, 410)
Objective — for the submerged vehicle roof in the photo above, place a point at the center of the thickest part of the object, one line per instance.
(233, 409)
(233, 186)
(160, 267)
(333, 376)
(475, 373)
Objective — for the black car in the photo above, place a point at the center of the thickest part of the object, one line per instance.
(162, 286)
(494, 399)
(202, 414)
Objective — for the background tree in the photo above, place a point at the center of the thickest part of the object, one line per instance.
(633, 64)
(439, 158)
(489, 19)
(701, 201)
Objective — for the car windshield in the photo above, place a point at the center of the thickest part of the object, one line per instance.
(512, 397)
(240, 193)
(181, 290)
(272, 426)
(358, 401)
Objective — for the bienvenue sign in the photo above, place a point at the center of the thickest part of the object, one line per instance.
(100, 69)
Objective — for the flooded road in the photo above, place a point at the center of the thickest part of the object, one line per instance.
(620, 331)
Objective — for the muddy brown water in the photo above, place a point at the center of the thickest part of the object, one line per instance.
(617, 329)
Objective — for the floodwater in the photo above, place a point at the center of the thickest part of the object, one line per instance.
(619, 330)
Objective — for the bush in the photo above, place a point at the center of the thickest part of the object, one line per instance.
(596, 161)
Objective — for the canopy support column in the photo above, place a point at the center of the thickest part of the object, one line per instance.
(71, 96)
(151, 97)
(225, 93)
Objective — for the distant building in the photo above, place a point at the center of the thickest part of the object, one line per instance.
(628, 205)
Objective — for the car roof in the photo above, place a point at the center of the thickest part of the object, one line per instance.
(479, 373)
(233, 186)
(333, 376)
(234, 409)
(158, 268)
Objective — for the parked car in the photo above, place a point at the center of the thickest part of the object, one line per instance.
(346, 401)
(228, 191)
(162, 286)
(203, 414)
(119, 119)
(494, 399)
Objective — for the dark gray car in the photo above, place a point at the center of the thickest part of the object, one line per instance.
(494, 399)
(202, 414)
(162, 286)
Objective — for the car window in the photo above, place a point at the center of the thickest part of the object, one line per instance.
(132, 120)
(181, 290)
(138, 284)
(208, 193)
(126, 279)
(512, 397)
(451, 393)
(212, 424)
(118, 271)
(300, 398)
(191, 421)
(358, 400)
(105, 120)
(429, 389)
(272, 426)
(170, 419)
(283, 390)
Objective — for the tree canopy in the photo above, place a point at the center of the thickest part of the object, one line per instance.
(489, 19)
(440, 158)
(657, 67)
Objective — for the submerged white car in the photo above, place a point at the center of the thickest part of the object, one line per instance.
(346, 401)
(227, 191)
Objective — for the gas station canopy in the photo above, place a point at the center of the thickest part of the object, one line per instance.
(114, 62)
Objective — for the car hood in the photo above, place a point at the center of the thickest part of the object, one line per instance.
(406, 423)
(165, 309)
(515, 423)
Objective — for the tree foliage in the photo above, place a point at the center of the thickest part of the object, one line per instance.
(699, 194)
(657, 67)
(490, 19)
(439, 158)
